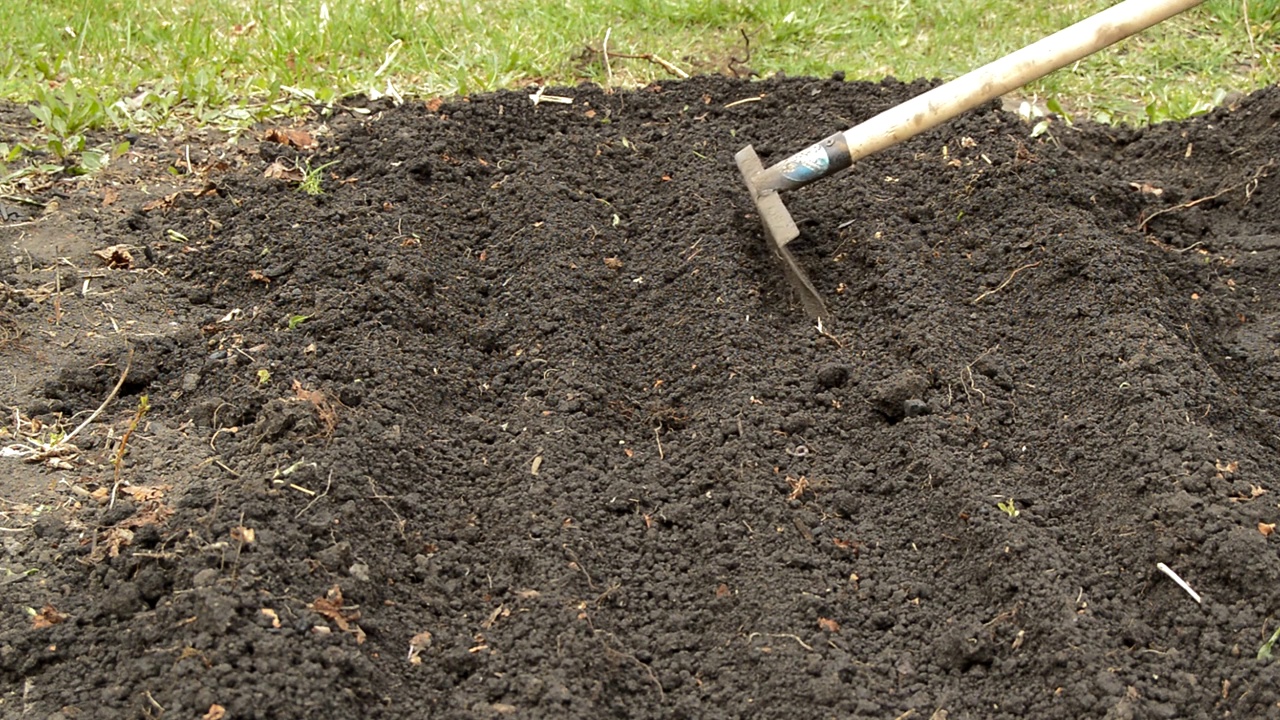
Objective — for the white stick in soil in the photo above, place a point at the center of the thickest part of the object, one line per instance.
(1181, 583)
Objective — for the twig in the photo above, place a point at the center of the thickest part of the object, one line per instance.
(400, 522)
(803, 644)
(43, 450)
(604, 49)
(649, 57)
(328, 483)
(657, 437)
(1006, 282)
(223, 465)
(744, 101)
(733, 60)
(114, 391)
(22, 200)
(1258, 174)
(1181, 583)
(152, 700)
(827, 333)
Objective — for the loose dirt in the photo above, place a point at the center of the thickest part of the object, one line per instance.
(519, 418)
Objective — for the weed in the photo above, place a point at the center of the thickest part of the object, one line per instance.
(264, 376)
(312, 178)
(144, 406)
(1264, 652)
(1009, 508)
(296, 320)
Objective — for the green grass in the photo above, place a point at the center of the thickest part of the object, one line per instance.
(146, 64)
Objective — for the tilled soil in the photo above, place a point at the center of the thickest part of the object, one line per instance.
(520, 418)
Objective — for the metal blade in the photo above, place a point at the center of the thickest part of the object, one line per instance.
(780, 229)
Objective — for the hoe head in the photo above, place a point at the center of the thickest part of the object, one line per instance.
(780, 230)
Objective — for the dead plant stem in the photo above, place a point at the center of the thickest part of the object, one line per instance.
(1258, 174)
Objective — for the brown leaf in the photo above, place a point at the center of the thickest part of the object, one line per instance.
(116, 257)
(277, 170)
(722, 590)
(417, 644)
(243, 534)
(1266, 528)
(326, 413)
(216, 712)
(257, 276)
(331, 606)
(47, 617)
(293, 137)
(829, 625)
(145, 493)
(110, 196)
(434, 104)
(114, 539)
(613, 263)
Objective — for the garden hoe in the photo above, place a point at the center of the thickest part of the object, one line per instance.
(926, 111)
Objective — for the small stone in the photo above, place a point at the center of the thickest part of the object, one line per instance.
(833, 376)
(48, 526)
(914, 407)
(122, 601)
(190, 382)
(205, 578)
(359, 571)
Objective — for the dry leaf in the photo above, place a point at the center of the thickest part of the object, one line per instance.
(145, 493)
(1266, 528)
(275, 618)
(110, 196)
(829, 625)
(277, 170)
(1227, 467)
(300, 139)
(417, 644)
(613, 263)
(722, 590)
(332, 607)
(434, 104)
(47, 617)
(116, 257)
(111, 542)
(325, 411)
(216, 712)
(243, 534)
(1146, 188)
(257, 276)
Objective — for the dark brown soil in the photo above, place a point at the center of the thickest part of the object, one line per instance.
(525, 378)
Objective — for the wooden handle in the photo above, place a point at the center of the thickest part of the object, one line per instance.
(1009, 73)
(968, 91)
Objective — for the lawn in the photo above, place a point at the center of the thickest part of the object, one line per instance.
(147, 64)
